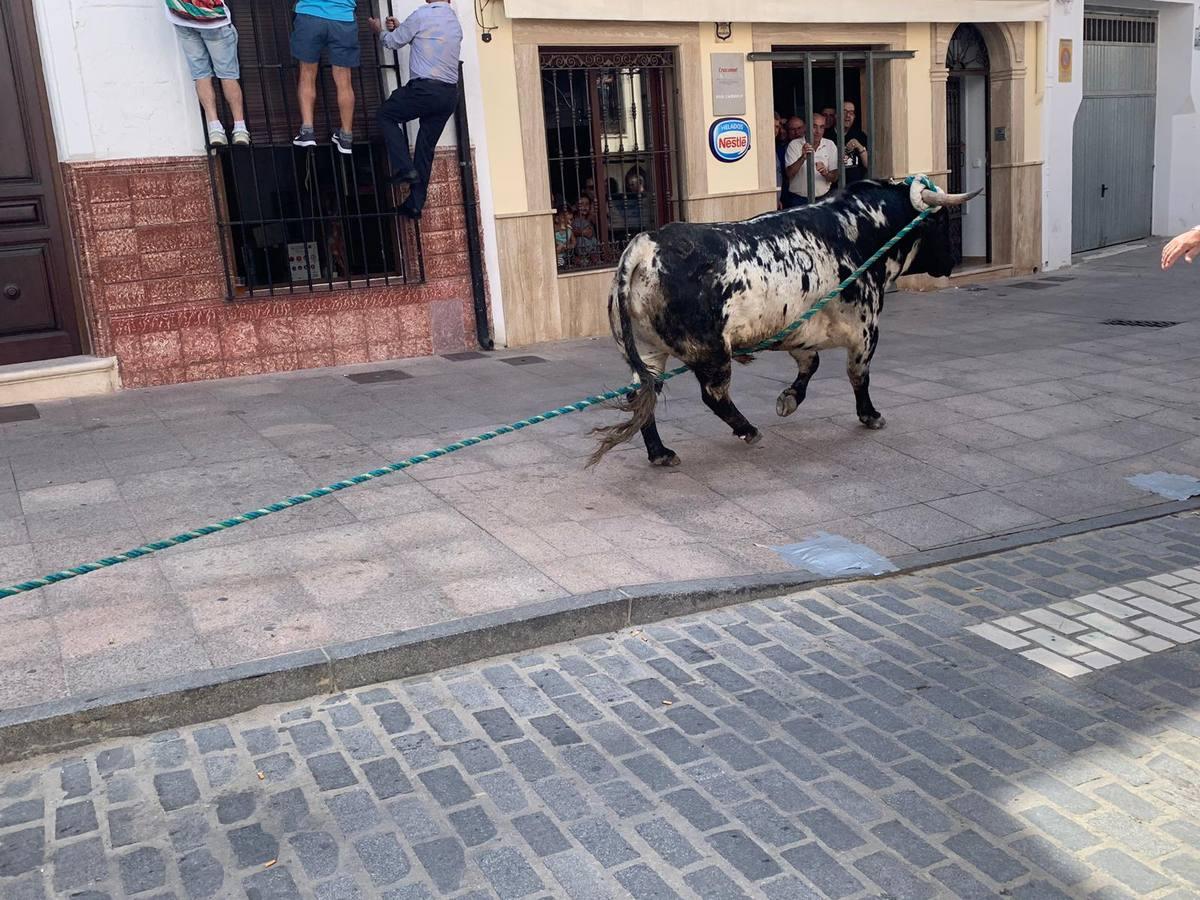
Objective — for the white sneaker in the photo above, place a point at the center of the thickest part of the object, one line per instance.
(217, 136)
(241, 137)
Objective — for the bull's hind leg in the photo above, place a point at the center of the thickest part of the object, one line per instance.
(789, 400)
(714, 390)
(858, 368)
(656, 450)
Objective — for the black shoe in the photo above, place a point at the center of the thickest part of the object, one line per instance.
(409, 177)
(306, 138)
(343, 141)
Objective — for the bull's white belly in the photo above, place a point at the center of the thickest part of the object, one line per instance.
(758, 314)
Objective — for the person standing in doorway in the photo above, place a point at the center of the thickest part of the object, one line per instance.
(855, 143)
(434, 37)
(320, 25)
(824, 154)
(794, 129)
(210, 43)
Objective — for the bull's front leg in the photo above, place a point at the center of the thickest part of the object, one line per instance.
(858, 368)
(714, 380)
(807, 361)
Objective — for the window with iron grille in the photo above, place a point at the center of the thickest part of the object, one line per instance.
(298, 220)
(611, 141)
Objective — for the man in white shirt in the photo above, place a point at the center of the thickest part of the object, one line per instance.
(824, 153)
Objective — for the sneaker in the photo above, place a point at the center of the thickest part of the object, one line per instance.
(344, 141)
(306, 138)
(217, 137)
(241, 137)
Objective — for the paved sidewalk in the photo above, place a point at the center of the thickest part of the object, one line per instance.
(857, 742)
(1008, 408)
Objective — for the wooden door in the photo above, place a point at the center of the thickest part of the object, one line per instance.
(37, 310)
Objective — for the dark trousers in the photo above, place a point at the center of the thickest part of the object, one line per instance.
(430, 101)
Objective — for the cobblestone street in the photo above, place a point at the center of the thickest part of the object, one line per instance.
(857, 741)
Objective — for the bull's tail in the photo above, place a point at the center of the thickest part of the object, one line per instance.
(642, 401)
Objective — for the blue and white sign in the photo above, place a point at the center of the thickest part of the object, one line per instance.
(729, 139)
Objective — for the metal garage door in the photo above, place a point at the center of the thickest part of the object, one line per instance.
(1114, 131)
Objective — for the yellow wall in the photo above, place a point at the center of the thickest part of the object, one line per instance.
(1035, 87)
(726, 178)
(498, 74)
(917, 92)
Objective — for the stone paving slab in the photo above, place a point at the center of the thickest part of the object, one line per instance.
(861, 741)
(1009, 409)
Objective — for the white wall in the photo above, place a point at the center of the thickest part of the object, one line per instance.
(1176, 177)
(118, 85)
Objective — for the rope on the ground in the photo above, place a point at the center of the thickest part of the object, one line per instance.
(594, 400)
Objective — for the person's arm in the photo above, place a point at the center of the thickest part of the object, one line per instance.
(793, 158)
(1186, 245)
(399, 34)
(827, 165)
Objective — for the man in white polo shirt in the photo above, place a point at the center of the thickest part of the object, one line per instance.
(824, 153)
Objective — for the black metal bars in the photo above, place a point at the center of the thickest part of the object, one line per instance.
(611, 136)
(297, 220)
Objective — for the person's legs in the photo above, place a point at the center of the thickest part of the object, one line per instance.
(306, 94)
(221, 45)
(344, 55)
(397, 109)
(208, 98)
(309, 37)
(233, 96)
(343, 80)
(438, 107)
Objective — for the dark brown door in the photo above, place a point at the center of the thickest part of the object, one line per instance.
(37, 311)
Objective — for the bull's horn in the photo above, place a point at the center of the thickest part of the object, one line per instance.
(937, 198)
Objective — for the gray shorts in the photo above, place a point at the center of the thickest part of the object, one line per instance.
(210, 51)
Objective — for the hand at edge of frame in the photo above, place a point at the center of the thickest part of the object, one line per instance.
(1186, 246)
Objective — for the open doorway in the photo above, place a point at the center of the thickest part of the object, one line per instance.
(968, 124)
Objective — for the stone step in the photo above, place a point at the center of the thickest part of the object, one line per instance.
(58, 379)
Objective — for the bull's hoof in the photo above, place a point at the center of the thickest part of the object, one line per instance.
(873, 422)
(751, 437)
(787, 403)
(667, 460)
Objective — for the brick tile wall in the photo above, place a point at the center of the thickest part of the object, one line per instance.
(153, 283)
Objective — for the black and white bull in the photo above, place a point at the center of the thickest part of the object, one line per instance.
(700, 292)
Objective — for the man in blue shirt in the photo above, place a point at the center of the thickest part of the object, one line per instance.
(324, 24)
(434, 38)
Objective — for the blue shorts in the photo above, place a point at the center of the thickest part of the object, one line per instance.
(311, 33)
(210, 50)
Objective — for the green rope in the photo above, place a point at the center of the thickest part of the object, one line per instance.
(594, 400)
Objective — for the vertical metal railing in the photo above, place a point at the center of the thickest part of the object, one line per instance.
(609, 117)
(295, 220)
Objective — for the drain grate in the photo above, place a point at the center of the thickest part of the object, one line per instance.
(378, 376)
(1032, 285)
(1140, 323)
(21, 412)
(1058, 279)
(522, 360)
(466, 354)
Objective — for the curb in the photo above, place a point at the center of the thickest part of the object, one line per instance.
(178, 701)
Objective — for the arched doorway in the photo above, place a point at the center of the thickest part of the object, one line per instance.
(968, 124)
